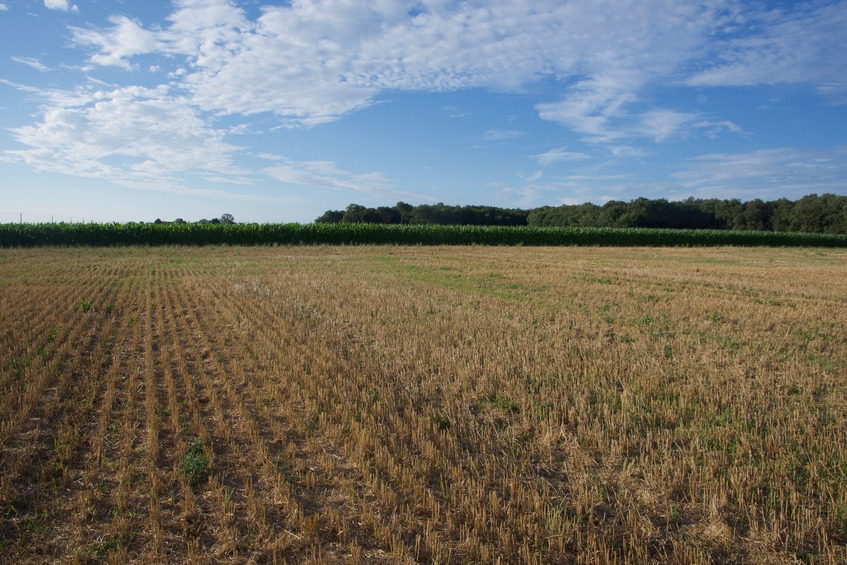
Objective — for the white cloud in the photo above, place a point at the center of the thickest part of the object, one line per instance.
(21, 87)
(524, 196)
(314, 61)
(559, 155)
(3, 7)
(31, 62)
(501, 134)
(325, 174)
(662, 124)
(62, 5)
(803, 43)
(766, 173)
(155, 138)
(125, 39)
(454, 112)
(713, 129)
(128, 134)
(627, 151)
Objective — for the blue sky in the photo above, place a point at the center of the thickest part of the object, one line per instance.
(277, 111)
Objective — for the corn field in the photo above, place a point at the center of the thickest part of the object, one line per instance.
(381, 404)
(104, 235)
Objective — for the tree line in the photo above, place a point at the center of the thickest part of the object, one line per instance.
(224, 219)
(437, 214)
(812, 213)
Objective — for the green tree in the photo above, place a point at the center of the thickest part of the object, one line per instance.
(330, 217)
(405, 211)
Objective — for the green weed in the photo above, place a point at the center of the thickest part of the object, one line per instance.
(195, 464)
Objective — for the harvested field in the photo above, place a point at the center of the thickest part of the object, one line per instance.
(402, 405)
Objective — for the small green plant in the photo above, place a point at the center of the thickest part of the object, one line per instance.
(794, 390)
(86, 305)
(105, 546)
(675, 514)
(195, 464)
(604, 314)
(841, 517)
(543, 409)
(19, 366)
(443, 423)
(10, 506)
(498, 402)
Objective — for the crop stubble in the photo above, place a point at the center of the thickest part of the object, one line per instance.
(390, 404)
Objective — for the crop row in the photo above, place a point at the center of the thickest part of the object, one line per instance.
(115, 234)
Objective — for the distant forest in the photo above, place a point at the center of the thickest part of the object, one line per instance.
(812, 213)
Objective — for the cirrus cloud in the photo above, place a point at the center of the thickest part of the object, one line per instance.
(326, 174)
(33, 63)
(765, 173)
(558, 155)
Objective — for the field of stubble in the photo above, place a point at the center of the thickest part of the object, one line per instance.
(434, 405)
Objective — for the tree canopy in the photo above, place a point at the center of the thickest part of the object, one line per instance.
(812, 213)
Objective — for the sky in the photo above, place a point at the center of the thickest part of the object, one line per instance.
(278, 111)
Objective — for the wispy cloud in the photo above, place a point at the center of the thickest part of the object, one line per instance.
(792, 43)
(558, 155)
(766, 173)
(455, 112)
(326, 174)
(22, 87)
(660, 125)
(713, 129)
(502, 134)
(627, 151)
(32, 62)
